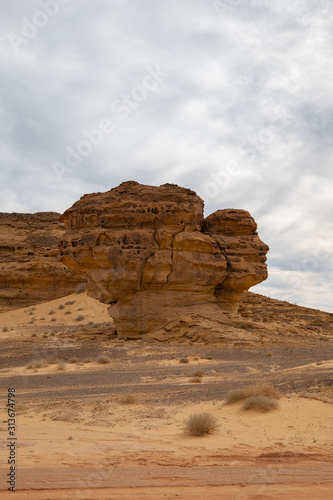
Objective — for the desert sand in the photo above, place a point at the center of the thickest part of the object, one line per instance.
(77, 439)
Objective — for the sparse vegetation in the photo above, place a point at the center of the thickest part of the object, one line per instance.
(87, 360)
(61, 365)
(52, 311)
(201, 423)
(5, 328)
(74, 360)
(128, 399)
(81, 288)
(31, 313)
(195, 380)
(61, 306)
(68, 312)
(103, 360)
(70, 303)
(79, 317)
(260, 403)
(266, 390)
(31, 322)
(209, 357)
(184, 360)
(36, 363)
(198, 373)
(53, 319)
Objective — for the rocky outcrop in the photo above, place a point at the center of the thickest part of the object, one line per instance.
(30, 271)
(149, 253)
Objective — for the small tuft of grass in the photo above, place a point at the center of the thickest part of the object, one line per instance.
(87, 360)
(184, 360)
(74, 360)
(53, 319)
(266, 390)
(31, 313)
(263, 403)
(5, 328)
(79, 317)
(52, 311)
(199, 424)
(103, 360)
(198, 373)
(61, 306)
(70, 303)
(31, 322)
(36, 363)
(61, 365)
(195, 380)
(128, 399)
(68, 312)
(81, 288)
(209, 357)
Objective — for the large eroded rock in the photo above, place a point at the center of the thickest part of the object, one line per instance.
(149, 253)
(30, 271)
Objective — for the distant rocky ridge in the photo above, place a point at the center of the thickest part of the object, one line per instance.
(149, 253)
(30, 271)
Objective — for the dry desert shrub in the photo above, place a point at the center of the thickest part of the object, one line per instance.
(74, 360)
(198, 373)
(36, 363)
(87, 360)
(53, 319)
(5, 328)
(184, 360)
(266, 390)
(201, 423)
(81, 288)
(103, 360)
(128, 399)
(79, 317)
(51, 312)
(61, 306)
(264, 403)
(195, 380)
(70, 303)
(61, 365)
(68, 312)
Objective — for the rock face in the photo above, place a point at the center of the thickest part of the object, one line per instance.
(149, 253)
(30, 271)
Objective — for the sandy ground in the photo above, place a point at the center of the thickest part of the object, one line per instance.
(76, 439)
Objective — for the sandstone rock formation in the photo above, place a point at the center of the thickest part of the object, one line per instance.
(149, 253)
(30, 271)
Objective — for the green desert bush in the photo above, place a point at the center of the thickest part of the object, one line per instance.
(201, 423)
(265, 389)
(128, 399)
(264, 403)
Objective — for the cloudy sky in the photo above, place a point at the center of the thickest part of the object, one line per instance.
(230, 98)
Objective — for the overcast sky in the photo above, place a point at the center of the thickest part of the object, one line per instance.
(230, 98)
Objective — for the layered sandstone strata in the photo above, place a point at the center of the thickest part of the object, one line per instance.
(30, 271)
(149, 253)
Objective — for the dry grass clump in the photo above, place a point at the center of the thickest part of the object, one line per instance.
(198, 373)
(68, 312)
(264, 403)
(61, 306)
(61, 365)
(51, 312)
(128, 399)
(53, 319)
(36, 363)
(74, 360)
(195, 380)
(184, 360)
(70, 303)
(79, 317)
(266, 390)
(80, 288)
(87, 360)
(201, 423)
(103, 360)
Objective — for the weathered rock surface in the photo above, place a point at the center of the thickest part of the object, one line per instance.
(149, 253)
(30, 271)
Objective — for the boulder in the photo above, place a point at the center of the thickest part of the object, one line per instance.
(149, 253)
